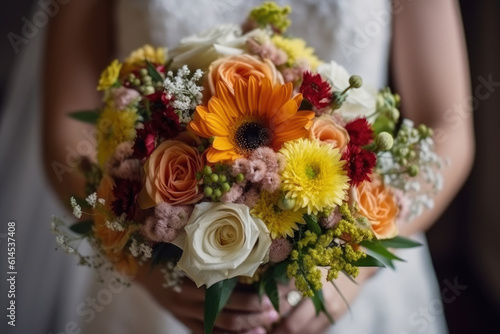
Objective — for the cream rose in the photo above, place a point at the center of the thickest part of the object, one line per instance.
(199, 51)
(221, 241)
(360, 101)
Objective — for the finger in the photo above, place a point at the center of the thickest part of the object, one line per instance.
(242, 322)
(197, 327)
(188, 308)
(302, 319)
(285, 307)
(247, 301)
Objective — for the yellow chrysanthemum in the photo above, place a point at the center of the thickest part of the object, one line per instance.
(280, 223)
(109, 75)
(256, 115)
(313, 175)
(297, 50)
(137, 58)
(114, 127)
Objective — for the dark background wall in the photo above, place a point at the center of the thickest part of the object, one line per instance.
(10, 21)
(465, 242)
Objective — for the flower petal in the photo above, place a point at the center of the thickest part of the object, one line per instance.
(222, 144)
(216, 126)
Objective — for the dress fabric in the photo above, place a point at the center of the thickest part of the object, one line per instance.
(54, 293)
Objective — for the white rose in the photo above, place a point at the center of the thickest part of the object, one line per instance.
(221, 241)
(199, 51)
(360, 101)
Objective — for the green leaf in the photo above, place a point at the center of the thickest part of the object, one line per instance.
(380, 252)
(319, 305)
(342, 296)
(400, 242)
(164, 252)
(272, 292)
(369, 261)
(216, 298)
(380, 249)
(279, 272)
(227, 290)
(312, 224)
(87, 116)
(82, 227)
(153, 73)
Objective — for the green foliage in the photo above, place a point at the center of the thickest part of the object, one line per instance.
(153, 73)
(83, 227)
(87, 116)
(399, 242)
(216, 298)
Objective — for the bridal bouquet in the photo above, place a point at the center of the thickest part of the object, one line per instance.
(239, 156)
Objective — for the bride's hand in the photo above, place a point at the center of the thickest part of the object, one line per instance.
(303, 319)
(244, 313)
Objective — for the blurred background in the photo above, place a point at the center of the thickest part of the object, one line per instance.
(464, 242)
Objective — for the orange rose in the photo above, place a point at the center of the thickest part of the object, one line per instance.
(326, 130)
(229, 69)
(171, 175)
(113, 242)
(377, 203)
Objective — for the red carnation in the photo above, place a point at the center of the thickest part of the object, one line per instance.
(155, 97)
(145, 141)
(316, 90)
(360, 163)
(125, 192)
(165, 122)
(360, 132)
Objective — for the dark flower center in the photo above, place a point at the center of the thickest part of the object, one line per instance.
(251, 136)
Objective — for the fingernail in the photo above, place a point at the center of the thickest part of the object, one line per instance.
(273, 315)
(266, 302)
(259, 330)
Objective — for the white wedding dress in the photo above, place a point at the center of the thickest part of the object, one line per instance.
(53, 294)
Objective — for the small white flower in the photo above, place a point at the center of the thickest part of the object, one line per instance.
(61, 240)
(115, 225)
(173, 277)
(77, 210)
(91, 199)
(183, 91)
(135, 248)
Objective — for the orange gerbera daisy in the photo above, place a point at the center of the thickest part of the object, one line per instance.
(258, 114)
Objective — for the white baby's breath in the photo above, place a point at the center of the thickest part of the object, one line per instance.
(172, 277)
(183, 92)
(77, 209)
(92, 199)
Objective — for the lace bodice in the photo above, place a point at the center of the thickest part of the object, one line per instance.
(355, 33)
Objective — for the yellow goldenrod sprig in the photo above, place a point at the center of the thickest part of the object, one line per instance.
(312, 252)
(270, 13)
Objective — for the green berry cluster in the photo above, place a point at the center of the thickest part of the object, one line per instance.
(338, 98)
(143, 82)
(405, 149)
(387, 111)
(217, 180)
